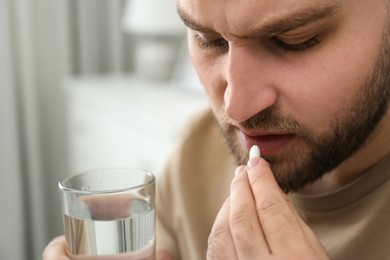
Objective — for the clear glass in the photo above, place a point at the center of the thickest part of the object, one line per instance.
(109, 213)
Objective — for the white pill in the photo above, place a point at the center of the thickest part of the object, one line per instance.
(254, 152)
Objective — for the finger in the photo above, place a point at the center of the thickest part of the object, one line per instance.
(163, 254)
(56, 250)
(244, 222)
(220, 242)
(312, 238)
(279, 221)
(109, 206)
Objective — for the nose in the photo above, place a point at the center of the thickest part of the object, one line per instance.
(249, 88)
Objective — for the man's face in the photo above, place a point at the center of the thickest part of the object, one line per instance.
(306, 80)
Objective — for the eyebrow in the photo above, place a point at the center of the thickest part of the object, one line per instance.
(190, 23)
(274, 26)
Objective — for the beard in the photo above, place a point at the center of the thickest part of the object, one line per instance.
(321, 153)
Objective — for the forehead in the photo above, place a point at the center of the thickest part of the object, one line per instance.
(237, 16)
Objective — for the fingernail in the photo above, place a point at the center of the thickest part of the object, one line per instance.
(254, 157)
(239, 169)
(253, 162)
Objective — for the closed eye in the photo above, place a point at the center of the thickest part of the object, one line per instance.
(295, 47)
(210, 43)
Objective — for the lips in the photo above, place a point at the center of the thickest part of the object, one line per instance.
(270, 143)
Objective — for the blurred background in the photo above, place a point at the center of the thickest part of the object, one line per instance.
(84, 84)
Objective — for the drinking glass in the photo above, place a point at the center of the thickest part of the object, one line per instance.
(109, 214)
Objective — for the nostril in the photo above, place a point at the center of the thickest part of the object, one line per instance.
(241, 103)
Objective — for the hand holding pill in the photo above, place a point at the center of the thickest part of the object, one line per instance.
(258, 222)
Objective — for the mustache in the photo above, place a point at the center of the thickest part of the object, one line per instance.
(272, 121)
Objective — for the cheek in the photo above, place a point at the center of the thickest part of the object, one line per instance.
(210, 72)
(322, 87)
(318, 94)
(330, 80)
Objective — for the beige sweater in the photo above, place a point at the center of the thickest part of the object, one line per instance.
(352, 223)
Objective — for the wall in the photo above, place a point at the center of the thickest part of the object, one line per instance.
(12, 240)
(33, 147)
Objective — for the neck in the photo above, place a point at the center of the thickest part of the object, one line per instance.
(373, 151)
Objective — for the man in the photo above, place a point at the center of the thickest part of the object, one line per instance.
(308, 81)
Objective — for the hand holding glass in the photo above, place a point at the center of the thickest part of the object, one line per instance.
(109, 214)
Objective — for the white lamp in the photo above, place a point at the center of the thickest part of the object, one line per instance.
(156, 26)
